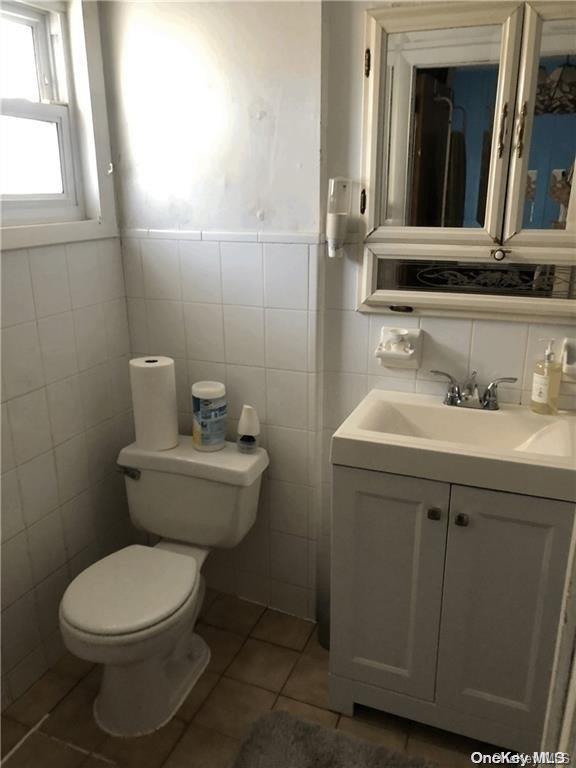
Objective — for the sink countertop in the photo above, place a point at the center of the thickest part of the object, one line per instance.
(512, 449)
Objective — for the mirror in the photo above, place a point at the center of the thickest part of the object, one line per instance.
(553, 143)
(440, 90)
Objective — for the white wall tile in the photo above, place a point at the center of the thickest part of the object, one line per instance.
(343, 392)
(286, 276)
(17, 301)
(119, 379)
(12, 517)
(78, 522)
(46, 546)
(102, 446)
(111, 272)
(166, 328)
(446, 347)
(286, 339)
(58, 346)
(72, 467)
(30, 425)
(341, 276)
(49, 593)
(289, 558)
(133, 271)
(251, 554)
(65, 409)
(138, 326)
(117, 333)
(390, 382)
(16, 573)
(21, 359)
(498, 349)
(161, 269)
(201, 274)
(242, 274)
(287, 398)
(244, 335)
(288, 449)
(199, 370)
(95, 391)
(50, 280)
(84, 272)
(246, 386)
(316, 277)
(289, 508)
(204, 332)
(20, 635)
(91, 343)
(38, 487)
(288, 598)
(346, 341)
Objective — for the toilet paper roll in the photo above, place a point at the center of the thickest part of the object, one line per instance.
(153, 384)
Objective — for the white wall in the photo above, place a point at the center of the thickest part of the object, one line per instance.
(65, 415)
(215, 109)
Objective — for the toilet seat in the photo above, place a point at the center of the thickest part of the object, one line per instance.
(129, 591)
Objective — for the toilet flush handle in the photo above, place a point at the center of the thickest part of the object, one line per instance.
(131, 472)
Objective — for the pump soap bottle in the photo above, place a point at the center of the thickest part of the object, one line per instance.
(546, 382)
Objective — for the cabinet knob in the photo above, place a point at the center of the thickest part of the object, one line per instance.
(462, 519)
(434, 513)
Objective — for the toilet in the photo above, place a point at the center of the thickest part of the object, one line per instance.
(134, 611)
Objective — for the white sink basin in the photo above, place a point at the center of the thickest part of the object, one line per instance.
(418, 435)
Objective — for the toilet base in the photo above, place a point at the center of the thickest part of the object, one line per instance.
(140, 698)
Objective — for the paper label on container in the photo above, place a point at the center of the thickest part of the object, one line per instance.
(540, 388)
(209, 421)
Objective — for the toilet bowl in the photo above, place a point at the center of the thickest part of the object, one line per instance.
(134, 611)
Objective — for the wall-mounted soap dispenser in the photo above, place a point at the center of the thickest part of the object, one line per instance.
(338, 211)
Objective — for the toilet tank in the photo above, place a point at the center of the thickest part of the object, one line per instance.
(210, 499)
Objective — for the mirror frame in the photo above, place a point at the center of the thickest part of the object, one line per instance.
(380, 23)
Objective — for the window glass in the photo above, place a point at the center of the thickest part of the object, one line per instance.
(18, 78)
(29, 157)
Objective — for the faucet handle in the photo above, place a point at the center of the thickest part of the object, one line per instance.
(453, 394)
(449, 376)
(490, 397)
(503, 380)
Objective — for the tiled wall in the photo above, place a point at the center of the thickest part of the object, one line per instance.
(245, 313)
(65, 414)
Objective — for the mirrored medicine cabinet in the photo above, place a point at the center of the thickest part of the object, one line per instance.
(469, 144)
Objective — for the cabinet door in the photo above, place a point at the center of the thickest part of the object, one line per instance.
(505, 572)
(388, 547)
(439, 84)
(541, 202)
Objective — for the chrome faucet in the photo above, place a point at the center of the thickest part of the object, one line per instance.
(467, 395)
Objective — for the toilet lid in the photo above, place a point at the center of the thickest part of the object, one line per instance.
(128, 591)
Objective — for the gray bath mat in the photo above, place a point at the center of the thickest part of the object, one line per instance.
(280, 740)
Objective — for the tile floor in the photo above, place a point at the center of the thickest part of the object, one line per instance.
(261, 660)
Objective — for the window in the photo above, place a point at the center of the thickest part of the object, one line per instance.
(38, 159)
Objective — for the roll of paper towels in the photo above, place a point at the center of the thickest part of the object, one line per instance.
(153, 384)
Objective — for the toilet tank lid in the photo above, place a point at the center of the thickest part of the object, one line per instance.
(225, 466)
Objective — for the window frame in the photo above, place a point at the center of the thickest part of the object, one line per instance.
(52, 107)
(91, 142)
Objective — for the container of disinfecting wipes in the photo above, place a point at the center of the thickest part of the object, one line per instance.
(209, 410)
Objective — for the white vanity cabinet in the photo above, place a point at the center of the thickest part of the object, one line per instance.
(446, 602)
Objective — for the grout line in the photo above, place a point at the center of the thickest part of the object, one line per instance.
(24, 738)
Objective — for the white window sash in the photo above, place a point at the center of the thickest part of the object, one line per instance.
(64, 205)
